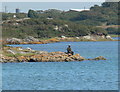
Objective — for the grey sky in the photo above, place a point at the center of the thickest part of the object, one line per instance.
(25, 6)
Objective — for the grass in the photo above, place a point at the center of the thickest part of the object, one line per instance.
(113, 35)
(4, 52)
(42, 39)
(18, 54)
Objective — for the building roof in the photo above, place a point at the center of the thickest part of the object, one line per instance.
(79, 10)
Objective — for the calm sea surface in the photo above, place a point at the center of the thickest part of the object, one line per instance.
(86, 75)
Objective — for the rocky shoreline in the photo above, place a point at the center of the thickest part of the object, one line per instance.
(17, 54)
(32, 40)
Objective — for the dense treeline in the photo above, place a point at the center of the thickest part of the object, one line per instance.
(52, 22)
(107, 13)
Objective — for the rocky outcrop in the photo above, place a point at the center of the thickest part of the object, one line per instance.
(13, 41)
(97, 37)
(18, 54)
(109, 37)
(99, 58)
(30, 39)
(43, 57)
(27, 40)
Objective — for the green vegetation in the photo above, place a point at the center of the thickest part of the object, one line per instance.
(18, 54)
(44, 28)
(114, 31)
(54, 23)
(32, 14)
(115, 35)
(9, 16)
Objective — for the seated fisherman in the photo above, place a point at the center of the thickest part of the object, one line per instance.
(69, 50)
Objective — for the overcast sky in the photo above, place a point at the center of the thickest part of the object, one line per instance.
(25, 6)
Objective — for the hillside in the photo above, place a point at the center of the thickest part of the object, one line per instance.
(55, 23)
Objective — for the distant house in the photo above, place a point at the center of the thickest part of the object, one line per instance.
(79, 10)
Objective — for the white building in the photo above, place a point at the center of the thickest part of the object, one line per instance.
(79, 10)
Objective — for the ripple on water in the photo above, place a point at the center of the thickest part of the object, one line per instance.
(86, 75)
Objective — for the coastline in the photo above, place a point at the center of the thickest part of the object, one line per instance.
(32, 40)
(17, 54)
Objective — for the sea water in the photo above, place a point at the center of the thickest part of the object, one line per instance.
(85, 75)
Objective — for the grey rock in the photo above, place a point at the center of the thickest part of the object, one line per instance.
(30, 39)
(14, 40)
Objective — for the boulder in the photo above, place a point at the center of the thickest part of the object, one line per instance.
(69, 59)
(30, 39)
(77, 57)
(87, 37)
(5, 59)
(99, 58)
(109, 37)
(13, 41)
(28, 48)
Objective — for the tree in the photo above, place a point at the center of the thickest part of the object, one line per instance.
(32, 14)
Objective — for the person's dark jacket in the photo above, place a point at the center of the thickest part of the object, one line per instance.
(69, 50)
